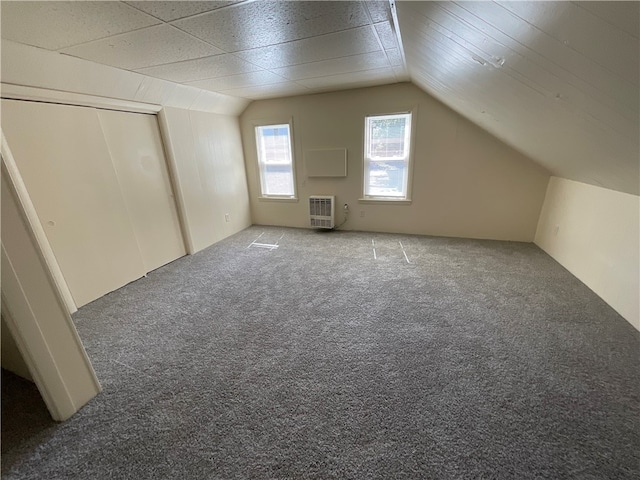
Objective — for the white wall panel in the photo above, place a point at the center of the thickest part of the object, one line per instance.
(65, 163)
(595, 234)
(136, 151)
(206, 151)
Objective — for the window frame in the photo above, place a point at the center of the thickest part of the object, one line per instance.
(260, 165)
(408, 182)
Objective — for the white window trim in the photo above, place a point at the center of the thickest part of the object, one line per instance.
(390, 200)
(406, 200)
(276, 198)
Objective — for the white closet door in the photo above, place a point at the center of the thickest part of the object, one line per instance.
(65, 163)
(136, 150)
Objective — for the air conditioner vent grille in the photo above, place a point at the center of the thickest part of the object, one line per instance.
(322, 211)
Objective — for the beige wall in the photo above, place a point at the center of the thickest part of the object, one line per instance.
(595, 234)
(466, 183)
(206, 155)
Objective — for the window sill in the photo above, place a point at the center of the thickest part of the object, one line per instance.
(373, 200)
(278, 199)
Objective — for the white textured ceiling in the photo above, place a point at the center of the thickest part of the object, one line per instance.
(558, 81)
(251, 49)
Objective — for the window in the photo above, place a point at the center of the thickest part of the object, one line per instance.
(386, 156)
(275, 160)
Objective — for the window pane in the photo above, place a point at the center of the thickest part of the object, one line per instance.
(278, 180)
(387, 137)
(386, 179)
(274, 157)
(276, 145)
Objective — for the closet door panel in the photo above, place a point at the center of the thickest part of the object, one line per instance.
(136, 150)
(65, 163)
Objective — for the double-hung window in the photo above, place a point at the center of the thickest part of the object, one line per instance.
(275, 160)
(386, 156)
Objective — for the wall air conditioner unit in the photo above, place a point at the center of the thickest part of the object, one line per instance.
(322, 210)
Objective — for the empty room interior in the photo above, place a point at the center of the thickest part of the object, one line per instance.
(320, 239)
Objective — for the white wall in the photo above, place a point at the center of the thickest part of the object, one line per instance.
(466, 183)
(206, 154)
(595, 234)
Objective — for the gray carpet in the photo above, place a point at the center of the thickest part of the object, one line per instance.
(478, 360)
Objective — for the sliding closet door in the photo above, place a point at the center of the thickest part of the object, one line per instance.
(136, 150)
(65, 163)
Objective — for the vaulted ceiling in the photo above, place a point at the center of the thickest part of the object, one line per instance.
(558, 81)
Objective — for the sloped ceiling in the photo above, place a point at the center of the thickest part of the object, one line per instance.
(558, 81)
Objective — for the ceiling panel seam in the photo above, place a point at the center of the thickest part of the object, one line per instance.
(396, 29)
(591, 12)
(105, 37)
(564, 43)
(527, 56)
(565, 106)
(225, 7)
(377, 36)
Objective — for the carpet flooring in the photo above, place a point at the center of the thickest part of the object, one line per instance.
(345, 355)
